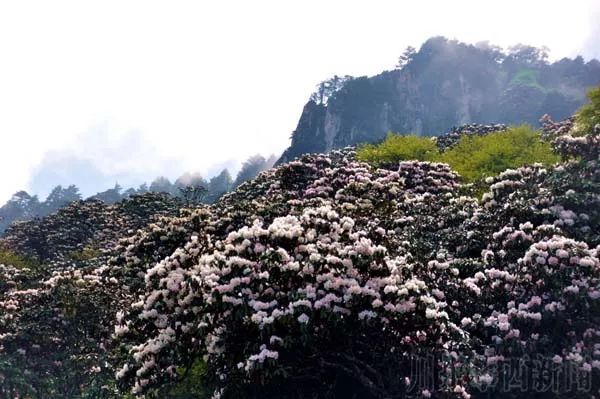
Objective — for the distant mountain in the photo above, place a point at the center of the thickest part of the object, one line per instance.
(192, 188)
(446, 83)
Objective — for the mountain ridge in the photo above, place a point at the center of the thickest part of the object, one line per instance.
(446, 83)
(193, 187)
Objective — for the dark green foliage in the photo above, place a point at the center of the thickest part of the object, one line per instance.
(406, 57)
(190, 385)
(526, 77)
(86, 254)
(81, 224)
(219, 185)
(190, 179)
(327, 88)
(525, 55)
(558, 105)
(522, 103)
(192, 188)
(23, 206)
(252, 167)
(10, 257)
(59, 197)
(111, 195)
(161, 185)
(192, 195)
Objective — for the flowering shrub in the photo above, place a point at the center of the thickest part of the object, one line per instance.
(58, 236)
(452, 137)
(327, 277)
(551, 129)
(330, 268)
(56, 317)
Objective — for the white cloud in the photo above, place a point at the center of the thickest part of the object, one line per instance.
(208, 82)
(101, 157)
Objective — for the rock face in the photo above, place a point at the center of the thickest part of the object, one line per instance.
(445, 84)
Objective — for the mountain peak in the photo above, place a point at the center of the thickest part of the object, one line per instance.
(445, 83)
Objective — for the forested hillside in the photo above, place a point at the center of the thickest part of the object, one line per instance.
(325, 277)
(445, 83)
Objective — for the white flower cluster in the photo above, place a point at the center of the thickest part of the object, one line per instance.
(327, 243)
(328, 266)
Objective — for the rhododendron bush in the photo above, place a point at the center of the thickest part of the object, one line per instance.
(329, 277)
(56, 316)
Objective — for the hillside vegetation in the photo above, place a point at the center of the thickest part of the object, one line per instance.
(472, 157)
(444, 83)
(325, 277)
(588, 116)
(191, 188)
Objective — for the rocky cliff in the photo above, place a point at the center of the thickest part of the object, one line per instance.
(446, 83)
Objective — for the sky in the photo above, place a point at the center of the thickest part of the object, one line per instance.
(98, 92)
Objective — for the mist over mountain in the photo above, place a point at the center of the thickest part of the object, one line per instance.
(191, 187)
(449, 249)
(444, 84)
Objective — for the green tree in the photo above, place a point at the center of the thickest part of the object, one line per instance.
(21, 206)
(193, 195)
(588, 115)
(481, 156)
(111, 195)
(399, 148)
(523, 54)
(59, 197)
(252, 167)
(406, 57)
(190, 179)
(162, 185)
(219, 185)
(473, 157)
(143, 188)
(328, 87)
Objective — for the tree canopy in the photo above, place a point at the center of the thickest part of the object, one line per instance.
(473, 157)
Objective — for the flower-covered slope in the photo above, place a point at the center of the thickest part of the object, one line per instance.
(327, 277)
(55, 315)
(86, 223)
